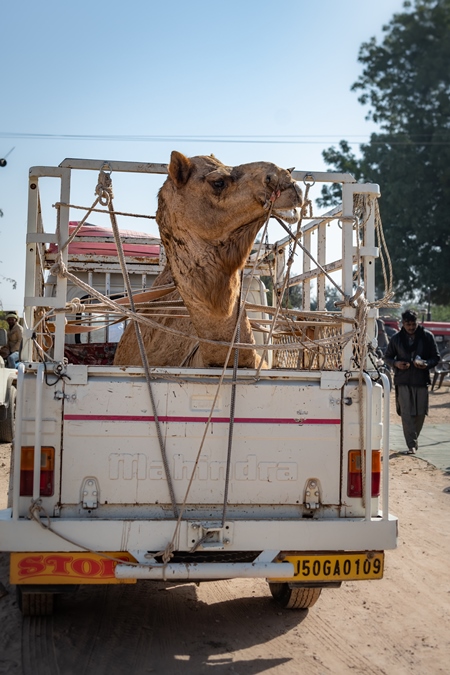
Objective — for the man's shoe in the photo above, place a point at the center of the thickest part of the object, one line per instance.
(411, 451)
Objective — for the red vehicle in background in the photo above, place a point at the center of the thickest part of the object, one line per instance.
(440, 330)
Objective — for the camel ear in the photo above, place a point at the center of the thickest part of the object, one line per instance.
(180, 168)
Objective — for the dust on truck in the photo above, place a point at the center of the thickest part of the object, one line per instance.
(121, 474)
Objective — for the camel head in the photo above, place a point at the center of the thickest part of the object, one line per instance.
(212, 200)
(209, 215)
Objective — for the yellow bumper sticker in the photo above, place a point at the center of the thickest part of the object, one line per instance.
(67, 568)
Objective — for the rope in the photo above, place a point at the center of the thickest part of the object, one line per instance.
(58, 205)
(75, 306)
(231, 345)
(34, 512)
(305, 205)
(105, 195)
(232, 411)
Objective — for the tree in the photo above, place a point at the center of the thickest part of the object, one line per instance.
(406, 84)
(295, 296)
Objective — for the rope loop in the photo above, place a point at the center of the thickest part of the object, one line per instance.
(347, 219)
(166, 554)
(75, 306)
(350, 300)
(59, 269)
(104, 190)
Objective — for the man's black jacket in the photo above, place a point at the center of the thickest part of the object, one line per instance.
(399, 349)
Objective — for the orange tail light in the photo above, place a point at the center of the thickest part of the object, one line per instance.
(355, 477)
(27, 471)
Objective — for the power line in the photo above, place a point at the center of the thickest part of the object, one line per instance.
(286, 139)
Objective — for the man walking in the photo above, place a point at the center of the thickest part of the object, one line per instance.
(411, 353)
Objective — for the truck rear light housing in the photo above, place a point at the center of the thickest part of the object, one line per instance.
(27, 471)
(355, 477)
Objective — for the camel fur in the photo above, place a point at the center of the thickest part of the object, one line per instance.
(208, 216)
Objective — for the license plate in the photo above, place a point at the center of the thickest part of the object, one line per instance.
(67, 568)
(339, 567)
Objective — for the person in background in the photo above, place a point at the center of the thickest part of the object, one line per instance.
(12, 350)
(411, 353)
(382, 337)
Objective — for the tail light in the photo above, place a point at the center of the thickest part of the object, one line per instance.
(355, 477)
(27, 471)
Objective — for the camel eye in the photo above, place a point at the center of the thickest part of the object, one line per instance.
(219, 183)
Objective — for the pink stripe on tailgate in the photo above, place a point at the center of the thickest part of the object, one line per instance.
(214, 420)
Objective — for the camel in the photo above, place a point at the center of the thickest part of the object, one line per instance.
(208, 216)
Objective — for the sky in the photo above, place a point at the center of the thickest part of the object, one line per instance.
(246, 80)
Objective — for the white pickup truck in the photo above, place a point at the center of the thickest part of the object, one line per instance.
(8, 377)
(199, 474)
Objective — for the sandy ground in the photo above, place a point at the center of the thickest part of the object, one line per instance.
(439, 406)
(399, 625)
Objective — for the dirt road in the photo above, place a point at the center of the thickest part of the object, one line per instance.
(399, 625)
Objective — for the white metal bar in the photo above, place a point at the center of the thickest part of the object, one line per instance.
(45, 171)
(386, 431)
(87, 258)
(35, 301)
(347, 267)
(323, 176)
(142, 167)
(107, 293)
(38, 432)
(142, 241)
(127, 167)
(314, 224)
(321, 259)
(347, 239)
(61, 286)
(30, 265)
(91, 283)
(41, 238)
(369, 260)
(306, 284)
(315, 272)
(368, 253)
(324, 218)
(18, 440)
(170, 571)
(368, 449)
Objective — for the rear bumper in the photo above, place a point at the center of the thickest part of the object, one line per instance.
(349, 534)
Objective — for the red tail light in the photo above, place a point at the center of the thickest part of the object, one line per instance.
(27, 471)
(355, 477)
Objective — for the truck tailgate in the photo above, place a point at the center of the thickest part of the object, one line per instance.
(285, 432)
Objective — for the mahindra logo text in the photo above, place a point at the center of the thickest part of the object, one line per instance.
(128, 467)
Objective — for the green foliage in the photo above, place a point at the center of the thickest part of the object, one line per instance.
(440, 313)
(3, 322)
(406, 84)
